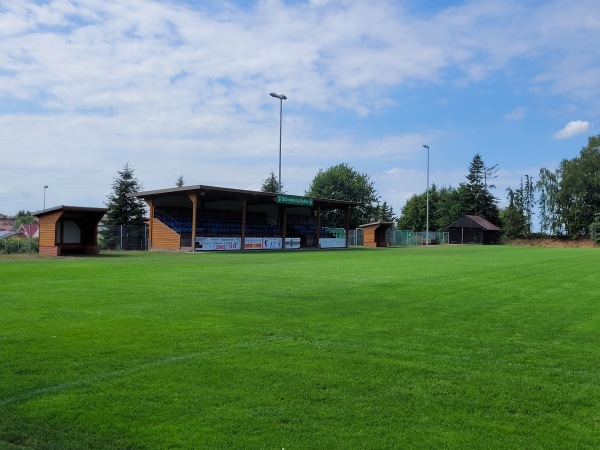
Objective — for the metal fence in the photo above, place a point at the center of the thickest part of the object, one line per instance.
(337, 232)
(356, 237)
(408, 237)
(18, 245)
(403, 237)
(124, 237)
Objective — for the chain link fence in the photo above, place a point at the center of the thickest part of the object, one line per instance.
(403, 238)
(18, 245)
(124, 237)
(408, 237)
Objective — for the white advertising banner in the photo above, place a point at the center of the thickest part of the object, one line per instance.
(250, 243)
(271, 243)
(292, 242)
(332, 242)
(253, 243)
(218, 243)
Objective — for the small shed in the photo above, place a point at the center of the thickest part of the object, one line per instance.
(473, 230)
(69, 230)
(375, 234)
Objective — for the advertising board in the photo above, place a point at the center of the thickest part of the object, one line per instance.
(332, 242)
(250, 243)
(253, 243)
(218, 243)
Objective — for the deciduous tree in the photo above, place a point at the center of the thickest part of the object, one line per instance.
(547, 187)
(23, 217)
(513, 218)
(342, 182)
(578, 197)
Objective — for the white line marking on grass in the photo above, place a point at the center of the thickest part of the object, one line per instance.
(88, 381)
(268, 340)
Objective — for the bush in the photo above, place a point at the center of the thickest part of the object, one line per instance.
(595, 232)
(16, 245)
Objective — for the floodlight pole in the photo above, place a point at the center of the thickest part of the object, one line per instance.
(427, 216)
(45, 187)
(281, 98)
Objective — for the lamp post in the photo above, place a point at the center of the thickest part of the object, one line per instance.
(45, 187)
(281, 98)
(427, 216)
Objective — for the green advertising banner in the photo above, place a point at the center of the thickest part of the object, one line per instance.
(294, 200)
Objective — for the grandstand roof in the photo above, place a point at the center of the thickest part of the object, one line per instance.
(215, 193)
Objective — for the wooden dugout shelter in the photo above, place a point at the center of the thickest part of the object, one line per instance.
(375, 234)
(189, 218)
(69, 230)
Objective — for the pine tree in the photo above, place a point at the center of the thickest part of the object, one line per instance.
(124, 223)
(383, 212)
(483, 202)
(270, 184)
(180, 181)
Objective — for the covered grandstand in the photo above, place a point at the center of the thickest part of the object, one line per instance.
(205, 218)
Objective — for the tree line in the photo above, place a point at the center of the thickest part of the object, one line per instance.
(447, 204)
(567, 200)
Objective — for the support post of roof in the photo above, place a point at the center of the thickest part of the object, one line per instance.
(243, 239)
(284, 226)
(194, 198)
(347, 225)
(150, 204)
(318, 241)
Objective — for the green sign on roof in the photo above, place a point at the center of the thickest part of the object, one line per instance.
(294, 200)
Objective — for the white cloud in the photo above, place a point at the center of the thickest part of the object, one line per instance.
(177, 87)
(516, 114)
(573, 128)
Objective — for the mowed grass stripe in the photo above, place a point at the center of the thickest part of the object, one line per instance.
(441, 347)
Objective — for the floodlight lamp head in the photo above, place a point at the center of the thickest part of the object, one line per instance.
(279, 96)
(426, 146)
(273, 94)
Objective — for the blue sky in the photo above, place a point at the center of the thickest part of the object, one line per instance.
(182, 87)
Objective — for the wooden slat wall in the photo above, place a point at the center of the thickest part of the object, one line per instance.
(163, 236)
(48, 229)
(369, 235)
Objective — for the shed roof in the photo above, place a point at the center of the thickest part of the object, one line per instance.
(378, 223)
(70, 209)
(474, 222)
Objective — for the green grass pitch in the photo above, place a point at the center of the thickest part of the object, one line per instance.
(472, 347)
